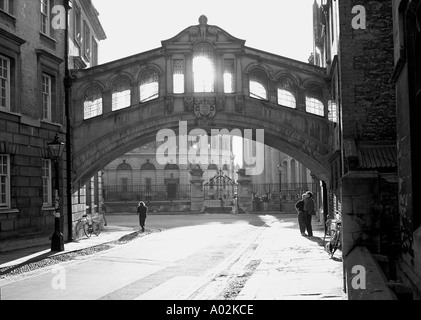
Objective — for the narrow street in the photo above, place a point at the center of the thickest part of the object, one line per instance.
(209, 257)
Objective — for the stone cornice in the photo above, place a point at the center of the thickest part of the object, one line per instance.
(12, 37)
(93, 14)
(50, 56)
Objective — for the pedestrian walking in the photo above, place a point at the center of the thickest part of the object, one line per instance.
(257, 201)
(234, 205)
(309, 208)
(104, 210)
(265, 201)
(141, 211)
(299, 206)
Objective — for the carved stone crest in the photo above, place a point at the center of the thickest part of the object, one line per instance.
(188, 104)
(239, 104)
(169, 105)
(205, 109)
(220, 104)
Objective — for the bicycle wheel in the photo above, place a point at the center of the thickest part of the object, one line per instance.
(96, 229)
(335, 242)
(87, 230)
(329, 232)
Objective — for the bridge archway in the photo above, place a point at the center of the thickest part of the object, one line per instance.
(99, 139)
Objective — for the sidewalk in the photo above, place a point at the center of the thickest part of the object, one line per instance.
(17, 257)
(295, 268)
(291, 267)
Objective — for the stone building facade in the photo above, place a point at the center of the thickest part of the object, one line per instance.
(407, 78)
(138, 176)
(33, 64)
(369, 49)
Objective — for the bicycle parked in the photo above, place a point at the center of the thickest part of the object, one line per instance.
(90, 225)
(333, 231)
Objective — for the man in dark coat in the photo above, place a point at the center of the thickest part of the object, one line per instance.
(299, 206)
(141, 211)
(309, 208)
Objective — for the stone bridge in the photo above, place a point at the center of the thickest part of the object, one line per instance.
(209, 79)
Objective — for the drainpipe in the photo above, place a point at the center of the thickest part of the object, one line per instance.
(67, 86)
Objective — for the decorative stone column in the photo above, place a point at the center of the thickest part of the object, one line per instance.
(188, 56)
(197, 198)
(169, 86)
(244, 191)
(301, 99)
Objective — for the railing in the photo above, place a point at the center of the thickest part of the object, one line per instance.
(290, 191)
(147, 193)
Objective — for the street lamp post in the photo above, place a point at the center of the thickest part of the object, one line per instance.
(56, 148)
(280, 187)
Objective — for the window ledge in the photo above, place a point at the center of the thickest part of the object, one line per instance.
(8, 17)
(48, 41)
(48, 208)
(51, 123)
(5, 110)
(8, 211)
(47, 37)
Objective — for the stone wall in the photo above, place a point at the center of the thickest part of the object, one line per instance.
(366, 66)
(369, 202)
(23, 132)
(407, 68)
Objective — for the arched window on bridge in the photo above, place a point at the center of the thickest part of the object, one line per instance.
(149, 85)
(314, 100)
(229, 79)
(121, 94)
(258, 84)
(204, 68)
(178, 76)
(287, 93)
(92, 105)
(333, 111)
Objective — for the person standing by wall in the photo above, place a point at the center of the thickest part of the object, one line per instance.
(309, 208)
(299, 206)
(141, 211)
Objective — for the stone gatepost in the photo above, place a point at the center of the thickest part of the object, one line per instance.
(360, 211)
(244, 191)
(197, 198)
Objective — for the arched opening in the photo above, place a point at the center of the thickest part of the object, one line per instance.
(287, 93)
(172, 180)
(314, 100)
(124, 180)
(121, 94)
(149, 85)
(258, 84)
(203, 69)
(148, 181)
(92, 105)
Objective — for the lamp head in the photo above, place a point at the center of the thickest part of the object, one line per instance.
(56, 148)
